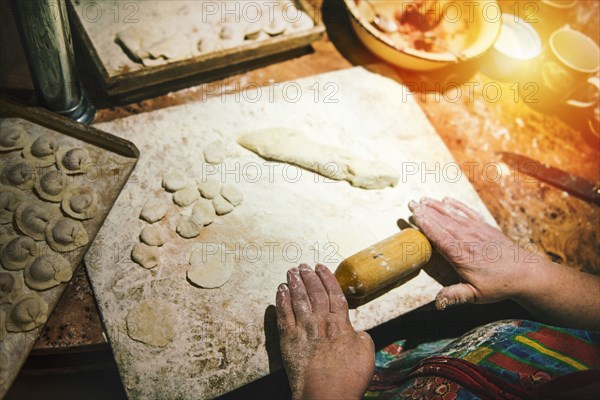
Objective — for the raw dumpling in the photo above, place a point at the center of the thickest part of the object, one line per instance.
(18, 252)
(5, 234)
(80, 202)
(132, 41)
(208, 272)
(232, 194)
(209, 187)
(186, 197)
(4, 369)
(46, 271)
(64, 234)
(231, 35)
(10, 199)
(146, 256)
(33, 216)
(28, 312)
(208, 41)
(189, 227)
(204, 212)
(20, 174)
(300, 23)
(154, 210)
(51, 186)
(222, 206)
(42, 152)
(154, 235)
(171, 48)
(174, 181)
(74, 161)
(3, 360)
(12, 137)
(10, 287)
(274, 24)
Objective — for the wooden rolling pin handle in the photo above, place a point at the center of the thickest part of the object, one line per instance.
(383, 263)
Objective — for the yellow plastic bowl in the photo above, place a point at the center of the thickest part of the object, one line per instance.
(483, 20)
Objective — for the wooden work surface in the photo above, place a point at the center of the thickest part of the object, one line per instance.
(473, 128)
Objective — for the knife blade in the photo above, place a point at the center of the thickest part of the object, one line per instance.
(572, 184)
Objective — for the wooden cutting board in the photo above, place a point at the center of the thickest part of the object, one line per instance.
(224, 337)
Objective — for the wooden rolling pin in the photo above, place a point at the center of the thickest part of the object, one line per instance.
(383, 263)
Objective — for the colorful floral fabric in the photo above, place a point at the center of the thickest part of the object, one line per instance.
(511, 359)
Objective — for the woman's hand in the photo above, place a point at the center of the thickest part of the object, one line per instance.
(492, 266)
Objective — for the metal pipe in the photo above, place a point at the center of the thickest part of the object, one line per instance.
(46, 36)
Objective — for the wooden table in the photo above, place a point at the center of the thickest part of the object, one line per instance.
(473, 122)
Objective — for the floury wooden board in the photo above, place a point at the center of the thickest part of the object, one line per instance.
(223, 337)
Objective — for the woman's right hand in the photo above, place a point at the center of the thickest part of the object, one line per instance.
(493, 267)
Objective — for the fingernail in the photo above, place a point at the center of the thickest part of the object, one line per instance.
(443, 304)
(304, 267)
(282, 288)
(292, 273)
(320, 267)
(412, 204)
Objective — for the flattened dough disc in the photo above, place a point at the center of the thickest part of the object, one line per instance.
(151, 322)
(208, 271)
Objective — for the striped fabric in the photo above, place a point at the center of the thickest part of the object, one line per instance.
(510, 359)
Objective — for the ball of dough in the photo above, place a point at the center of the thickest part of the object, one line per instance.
(215, 152)
(32, 218)
(222, 206)
(209, 187)
(154, 235)
(151, 322)
(12, 136)
(204, 212)
(154, 210)
(51, 186)
(64, 234)
(42, 151)
(189, 227)
(74, 161)
(18, 252)
(46, 271)
(232, 194)
(208, 271)
(186, 196)
(10, 199)
(174, 181)
(146, 256)
(28, 312)
(80, 202)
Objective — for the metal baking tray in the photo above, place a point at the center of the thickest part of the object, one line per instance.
(113, 165)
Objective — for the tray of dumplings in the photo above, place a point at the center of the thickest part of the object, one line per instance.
(134, 45)
(59, 180)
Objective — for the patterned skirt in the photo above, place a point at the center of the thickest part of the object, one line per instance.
(512, 359)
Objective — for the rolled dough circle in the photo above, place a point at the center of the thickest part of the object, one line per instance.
(208, 271)
(151, 322)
